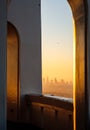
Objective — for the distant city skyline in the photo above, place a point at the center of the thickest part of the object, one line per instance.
(47, 79)
(57, 39)
(57, 87)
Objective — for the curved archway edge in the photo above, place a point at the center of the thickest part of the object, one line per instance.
(12, 69)
(81, 86)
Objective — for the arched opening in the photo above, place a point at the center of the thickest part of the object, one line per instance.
(57, 48)
(12, 72)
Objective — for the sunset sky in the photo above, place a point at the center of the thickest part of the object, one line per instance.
(57, 40)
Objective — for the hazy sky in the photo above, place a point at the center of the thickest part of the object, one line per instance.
(57, 40)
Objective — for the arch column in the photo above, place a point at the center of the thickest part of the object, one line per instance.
(79, 9)
(3, 35)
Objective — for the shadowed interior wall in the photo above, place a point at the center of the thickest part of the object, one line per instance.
(12, 72)
(26, 16)
(3, 34)
(88, 62)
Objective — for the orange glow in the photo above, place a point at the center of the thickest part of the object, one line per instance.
(12, 65)
(74, 63)
(57, 69)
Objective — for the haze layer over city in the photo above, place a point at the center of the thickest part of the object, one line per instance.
(57, 48)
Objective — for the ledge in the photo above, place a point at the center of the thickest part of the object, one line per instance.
(61, 102)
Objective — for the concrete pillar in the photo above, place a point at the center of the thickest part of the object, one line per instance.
(3, 22)
(25, 15)
(81, 14)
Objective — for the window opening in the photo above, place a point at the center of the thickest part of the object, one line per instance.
(57, 48)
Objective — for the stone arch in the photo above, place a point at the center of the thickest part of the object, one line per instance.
(12, 72)
(79, 10)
